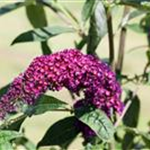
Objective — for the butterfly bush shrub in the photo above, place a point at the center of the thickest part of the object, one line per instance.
(99, 114)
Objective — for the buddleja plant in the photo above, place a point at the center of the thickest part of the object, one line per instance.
(100, 115)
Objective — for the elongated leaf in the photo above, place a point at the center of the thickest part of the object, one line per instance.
(16, 124)
(98, 28)
(41, 34)
(62, 133)
(131, 15)
(127, 142)
(136, 13)
(6, 146)
(10, 7)
(97, 121)
(140, 4)
(135, 27)
(131, 119)
(7, 135)
(36, 15)
(44, 104)
(87, 10)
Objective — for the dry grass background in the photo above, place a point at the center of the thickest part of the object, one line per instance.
(15, 59)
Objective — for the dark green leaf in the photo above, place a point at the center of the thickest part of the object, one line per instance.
(10, 7)
(44, 104)
(3, 90)
(146, 139)
(6, 146)
(45, 48)
(127, 142)
(140, 4)
(62, 133)
(131, 117)
(41, 34)
(97, 121)
(98, 28)
(88, 9)
(135, 27)
(16, 124)
(6, 136)
(36, 15)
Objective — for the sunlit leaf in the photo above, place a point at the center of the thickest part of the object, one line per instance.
(61, 133)
(98, 28)
(6, 146)
(88, 9)
(7, 135)
(41, 34)
(135, 27)
(97, 121)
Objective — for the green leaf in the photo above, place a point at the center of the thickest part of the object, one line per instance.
(97, 121)
(7, 135)
(45, 48)
(61, 133)
(3, 90)
(6, 146)
(36, 15)
(131, 119)
(87, 9)
(136, 13)
(127, 142)
(135, 27)
(146, 139)
(16, 124)
(131, 15)
(140, 4)
(10, 7)
(98, 28)
(41, 34)
(44, 104)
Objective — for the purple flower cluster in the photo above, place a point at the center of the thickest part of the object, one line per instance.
(70, 69)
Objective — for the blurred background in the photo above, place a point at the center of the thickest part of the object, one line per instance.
(15, 59)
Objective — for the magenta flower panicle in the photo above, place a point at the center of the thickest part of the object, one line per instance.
(70, 69)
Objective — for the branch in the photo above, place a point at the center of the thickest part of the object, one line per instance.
(111, 40)
(122, 44)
